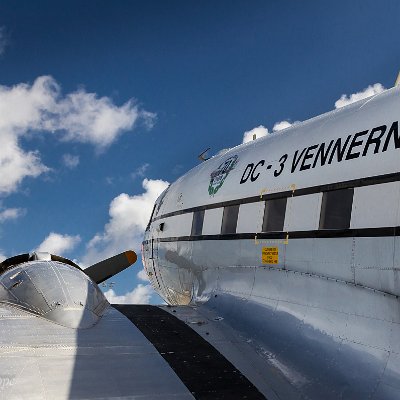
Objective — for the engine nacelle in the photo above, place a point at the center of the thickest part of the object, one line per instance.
(54, 290)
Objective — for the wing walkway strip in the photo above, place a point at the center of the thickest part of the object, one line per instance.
(204, 371)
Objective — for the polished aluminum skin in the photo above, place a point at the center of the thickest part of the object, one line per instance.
(53, 290)
(42, 360)
(60, 338)
(326, 317)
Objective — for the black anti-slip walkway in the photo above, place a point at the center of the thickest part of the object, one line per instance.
(204, 371)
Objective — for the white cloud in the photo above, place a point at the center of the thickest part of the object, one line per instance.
(16, 164)
(31, 110)
(11, 213)
(2, 256)
(140, 295)
(56, 243)
(259, 131)
(344, 100)
(142, 275)
(282, 125)
(3, 40)
(129, 216)
(371, 90)
(140, 171)
(86, 118)
(70, 161)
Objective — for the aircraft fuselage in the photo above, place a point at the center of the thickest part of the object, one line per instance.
(294, 240)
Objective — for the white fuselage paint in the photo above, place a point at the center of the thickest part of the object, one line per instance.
(332, 293)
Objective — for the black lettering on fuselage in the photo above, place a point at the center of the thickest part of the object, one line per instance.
(394, 130)
(322, 154)
(339, 149)
(252, 177)
(308, 156)
(249, 170)
(355, 143)
(374, 140)
(296, 160)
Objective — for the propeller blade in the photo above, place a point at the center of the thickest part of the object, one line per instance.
(105, 269)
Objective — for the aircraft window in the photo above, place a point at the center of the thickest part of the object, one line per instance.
(197, 224)
(336, 209)
(274, 215)
(229, 219)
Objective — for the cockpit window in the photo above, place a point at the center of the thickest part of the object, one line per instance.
(151, 217)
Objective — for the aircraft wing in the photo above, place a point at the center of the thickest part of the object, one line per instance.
(42, 360)
(60, 339)
(134, 351)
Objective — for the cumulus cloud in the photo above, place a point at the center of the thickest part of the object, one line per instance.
(56, 243)
(86, 118)
(11, 213)
(129, 216)
(259, 131)
(2, 256)
(282, 125)
(142, 275)
(29, 110)
(344, 100)
(371, 90)
(140, 295)
(16, 164)
(70, 161)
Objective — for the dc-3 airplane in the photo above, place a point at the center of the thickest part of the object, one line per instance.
(280, 264)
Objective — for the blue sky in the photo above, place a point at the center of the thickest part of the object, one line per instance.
(107, 94)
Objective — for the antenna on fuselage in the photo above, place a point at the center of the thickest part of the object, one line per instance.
(202, 156)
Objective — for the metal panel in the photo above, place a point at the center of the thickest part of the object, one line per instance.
(237, 349)
(204, 370)
(299, 255)
(321, 352)
(179, 225)
(239, 280)
(325, 257)
(212, 221)
(373, 264)
(251, 251)
(53, 290)
(333, 258)
(302, 213)
(250, 217)
(376, 206)
(42, 360)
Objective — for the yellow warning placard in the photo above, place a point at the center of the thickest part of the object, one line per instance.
(270, 255)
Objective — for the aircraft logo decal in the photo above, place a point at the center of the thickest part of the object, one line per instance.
(220, 174)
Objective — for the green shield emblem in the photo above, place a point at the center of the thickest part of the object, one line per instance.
(217, 177)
